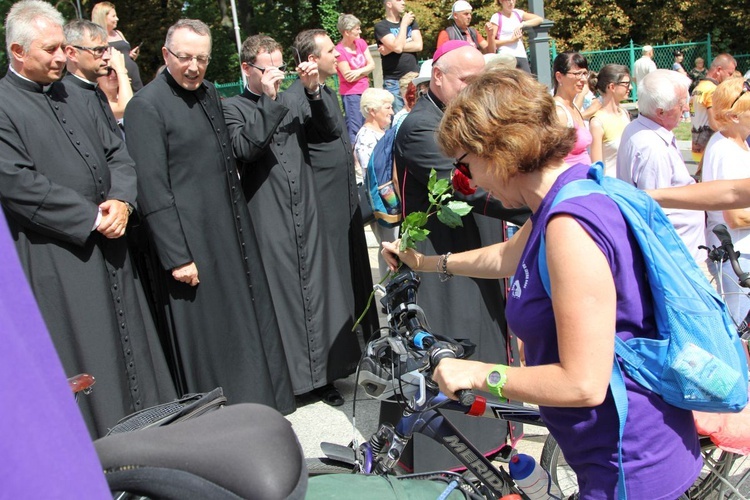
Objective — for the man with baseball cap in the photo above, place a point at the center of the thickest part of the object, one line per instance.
(460, 306)
(459, 29)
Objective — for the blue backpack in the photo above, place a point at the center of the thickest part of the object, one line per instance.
(697, 362)
(381, 188)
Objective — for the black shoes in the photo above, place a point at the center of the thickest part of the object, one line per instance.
(329, 395)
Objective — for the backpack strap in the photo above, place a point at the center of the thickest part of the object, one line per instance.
(500, 21)
(620, 396)
(576, 189)
(499, 24)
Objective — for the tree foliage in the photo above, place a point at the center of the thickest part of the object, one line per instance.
(579, 24)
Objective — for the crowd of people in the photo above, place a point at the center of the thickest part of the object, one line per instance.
(223, 246)
(176, 242)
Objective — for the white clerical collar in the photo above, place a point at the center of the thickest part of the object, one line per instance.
(95, 84)
(248, 89)
(19, 75)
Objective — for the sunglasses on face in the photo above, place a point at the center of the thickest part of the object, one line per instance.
(745, 89)
(462, 167)
(281, 67)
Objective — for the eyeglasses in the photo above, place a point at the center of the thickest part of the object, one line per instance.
(95, 51)
(199, 60)
(578, 74)
(625, 84)
(745, 89)
(281, 67)
(462, 167)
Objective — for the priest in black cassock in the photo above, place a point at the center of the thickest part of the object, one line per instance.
(224, 327)
(306, 282)
(88, 58)
(67, 188)
(332, 163)
(460, 307)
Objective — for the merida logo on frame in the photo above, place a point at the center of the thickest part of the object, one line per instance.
(473, 462)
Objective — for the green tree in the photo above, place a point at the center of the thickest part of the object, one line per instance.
(225, 62)
(587, 24)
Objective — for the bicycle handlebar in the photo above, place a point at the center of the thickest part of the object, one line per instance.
(419, 350)
(721, 232)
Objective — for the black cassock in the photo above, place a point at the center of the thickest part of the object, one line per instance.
(224, 330)
(462, 307)
(332, 164)
(92, 93)
(58, 162)
(269, 141)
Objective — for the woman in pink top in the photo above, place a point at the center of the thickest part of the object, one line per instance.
(354, 64)
(571, 72)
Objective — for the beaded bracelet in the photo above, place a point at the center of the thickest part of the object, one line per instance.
(442, 267)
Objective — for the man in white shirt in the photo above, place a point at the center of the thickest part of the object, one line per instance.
(644, 65)
(649, 157)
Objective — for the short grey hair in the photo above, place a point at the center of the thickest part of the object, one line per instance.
(659, 90)
(194, 25)
(347, 22)
(77, 29)
(646, 49)
(373, 99)
(19, 23)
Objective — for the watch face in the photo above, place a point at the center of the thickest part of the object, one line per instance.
(494, 377)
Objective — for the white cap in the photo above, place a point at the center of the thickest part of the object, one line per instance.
(425, 73)
(460, 6)
(501, 60)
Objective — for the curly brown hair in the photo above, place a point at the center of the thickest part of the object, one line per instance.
(508, 118)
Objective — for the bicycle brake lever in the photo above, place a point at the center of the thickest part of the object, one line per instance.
(422, 391)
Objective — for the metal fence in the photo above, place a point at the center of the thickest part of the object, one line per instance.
(626, 56)
(234, 88)
(663, 56)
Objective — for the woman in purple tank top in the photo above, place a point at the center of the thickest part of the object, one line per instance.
(504, 130)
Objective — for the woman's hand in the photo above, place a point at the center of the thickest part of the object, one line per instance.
(135, 52)
(352, 75)
(393, 257)
(452, 375)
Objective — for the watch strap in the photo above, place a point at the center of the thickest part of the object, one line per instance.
(495, 385)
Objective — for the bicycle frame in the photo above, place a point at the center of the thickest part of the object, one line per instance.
(427, 419)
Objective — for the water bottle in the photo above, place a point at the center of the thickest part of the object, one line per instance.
(533, 480)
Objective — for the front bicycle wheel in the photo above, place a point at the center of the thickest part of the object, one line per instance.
(717, 466)
(553, 461)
